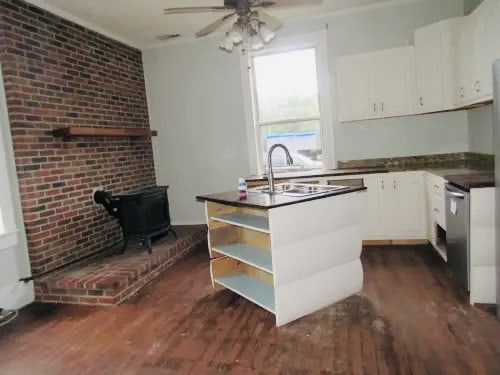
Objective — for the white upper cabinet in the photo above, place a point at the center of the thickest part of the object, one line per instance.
(434, 66)
(377, 84)
(449, 67)
(394, 81)
(476, 45)
(354, 88)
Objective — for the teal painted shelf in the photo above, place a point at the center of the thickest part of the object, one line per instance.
(258, 258)
(251, 288)
(254, 222)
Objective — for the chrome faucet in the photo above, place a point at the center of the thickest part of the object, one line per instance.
(270, 176)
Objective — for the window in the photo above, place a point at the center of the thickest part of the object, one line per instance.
(8, 230)
(289, 106)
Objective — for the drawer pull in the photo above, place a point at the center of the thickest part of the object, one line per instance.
(436, 186)
(436, 210)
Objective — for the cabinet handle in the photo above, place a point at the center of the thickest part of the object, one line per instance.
(394, 184)
(421, 101)
(436, 186)
(382, 106)
(462, 92)
(382, 186)
(478, 86)
(374, 107)
(436, 210)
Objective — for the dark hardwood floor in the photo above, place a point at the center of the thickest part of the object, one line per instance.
(409, 319)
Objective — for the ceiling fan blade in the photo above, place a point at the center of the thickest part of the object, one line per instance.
(293, 3)
(215, 25)
(270, 21)
(262, 4)
(195, 9)
(167, 36)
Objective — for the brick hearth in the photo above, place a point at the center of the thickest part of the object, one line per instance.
(111, 279)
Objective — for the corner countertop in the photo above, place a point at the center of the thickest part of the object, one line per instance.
(319, 173)
(472, 181)
(267, 201)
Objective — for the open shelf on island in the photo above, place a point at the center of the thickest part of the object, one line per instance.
(253, 256)
(257, 291)
(259, 223)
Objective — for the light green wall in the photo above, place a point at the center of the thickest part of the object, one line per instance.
(480, 122)
(196, 102)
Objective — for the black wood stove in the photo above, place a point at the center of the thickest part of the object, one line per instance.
(142, 214)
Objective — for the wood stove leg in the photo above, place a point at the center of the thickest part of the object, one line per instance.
(173, 231)
(125, 243)
(147, 242)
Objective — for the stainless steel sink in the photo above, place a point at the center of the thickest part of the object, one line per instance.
(298, 190)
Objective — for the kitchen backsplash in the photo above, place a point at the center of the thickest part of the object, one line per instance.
(464, 159)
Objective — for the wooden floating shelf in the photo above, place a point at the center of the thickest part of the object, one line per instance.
(102, 132)
(258, 258)
(251, 288)
(258, 223)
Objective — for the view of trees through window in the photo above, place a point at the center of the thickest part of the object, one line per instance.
(288, 106)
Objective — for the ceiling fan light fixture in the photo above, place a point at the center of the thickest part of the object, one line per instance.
(236, 33)
(227, 43)
(256, 42)
(266, 33)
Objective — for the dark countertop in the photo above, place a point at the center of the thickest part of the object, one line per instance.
(472, 181)
(319, 173)
(442, 170)
(266, 201)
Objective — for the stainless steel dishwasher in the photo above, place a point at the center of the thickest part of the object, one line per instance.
(457, 233)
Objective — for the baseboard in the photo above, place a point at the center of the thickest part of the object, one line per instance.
(174, 223)
(410, 242)
(376, 242)
(394, 242)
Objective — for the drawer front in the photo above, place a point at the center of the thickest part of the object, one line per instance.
(439, 211)
(352, 182)
(437, 187)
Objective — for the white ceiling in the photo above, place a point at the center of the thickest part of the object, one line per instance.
(139, 23)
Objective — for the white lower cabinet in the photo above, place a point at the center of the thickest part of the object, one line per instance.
(435, 212)
(407, 209)
(392, 206)
(482, 246)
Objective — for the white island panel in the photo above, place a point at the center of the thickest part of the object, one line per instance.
(314, 236)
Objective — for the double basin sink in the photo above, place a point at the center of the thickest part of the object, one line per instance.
(298, 190)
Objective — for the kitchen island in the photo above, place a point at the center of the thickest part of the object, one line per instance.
(290, 255)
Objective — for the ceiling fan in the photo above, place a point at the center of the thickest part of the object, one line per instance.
(250, 22)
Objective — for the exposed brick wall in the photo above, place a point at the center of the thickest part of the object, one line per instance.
(59, 74)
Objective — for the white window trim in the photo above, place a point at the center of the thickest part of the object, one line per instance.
(317, 40)
(9, 235)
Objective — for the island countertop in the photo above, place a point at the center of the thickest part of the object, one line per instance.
(267, 201)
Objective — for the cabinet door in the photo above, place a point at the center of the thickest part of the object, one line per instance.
(373, 222)
(487, 46)
(393, 75)
(354, 89)
(461, 45)
(408, 207)
(429, 69)
(478, 83)
(429, 213)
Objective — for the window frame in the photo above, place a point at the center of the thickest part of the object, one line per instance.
(9, 236)
(317, 41)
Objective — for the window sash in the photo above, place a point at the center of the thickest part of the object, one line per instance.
(316, 40)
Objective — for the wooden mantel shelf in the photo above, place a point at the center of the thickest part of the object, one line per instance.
(106, 132)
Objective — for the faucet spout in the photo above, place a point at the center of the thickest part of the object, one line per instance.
(270, 176)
